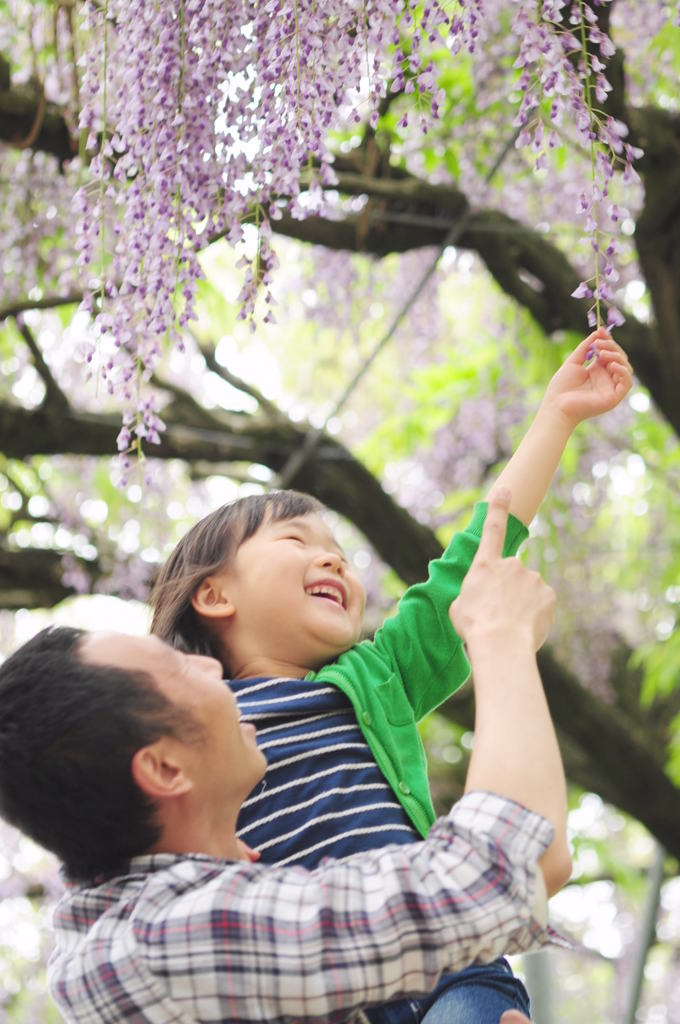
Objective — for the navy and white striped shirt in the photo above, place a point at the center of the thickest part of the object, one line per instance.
(323, 794)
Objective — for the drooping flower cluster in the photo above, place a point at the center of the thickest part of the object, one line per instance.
(32, 222)
(201, 118)
(563, 56)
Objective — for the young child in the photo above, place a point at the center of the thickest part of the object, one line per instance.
(262, 584)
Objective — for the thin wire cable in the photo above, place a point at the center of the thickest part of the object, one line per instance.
(300, 456)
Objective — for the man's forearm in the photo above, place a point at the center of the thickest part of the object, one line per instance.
(515, 749)
(387, 922)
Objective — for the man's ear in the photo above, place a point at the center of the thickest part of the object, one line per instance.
(211, 600)
(159, 769)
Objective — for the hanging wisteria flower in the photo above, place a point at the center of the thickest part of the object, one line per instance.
(565, 61)
(202, 119)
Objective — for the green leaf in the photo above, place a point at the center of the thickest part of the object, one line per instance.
(661, 665)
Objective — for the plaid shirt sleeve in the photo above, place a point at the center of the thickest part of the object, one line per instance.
(243, 942)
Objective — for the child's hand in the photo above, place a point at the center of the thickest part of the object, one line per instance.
(246, 853)
(580, 391)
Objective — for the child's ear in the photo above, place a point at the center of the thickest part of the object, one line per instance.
(211, 600)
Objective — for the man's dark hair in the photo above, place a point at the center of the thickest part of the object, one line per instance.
(68, 733)
(208, 547)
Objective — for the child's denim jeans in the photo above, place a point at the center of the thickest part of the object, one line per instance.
(477, 995)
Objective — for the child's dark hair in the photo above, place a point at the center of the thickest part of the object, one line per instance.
(208, 547)
(68, 733)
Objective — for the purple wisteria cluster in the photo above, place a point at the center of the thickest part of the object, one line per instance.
(34, 219)
(562, 58)
(204, 119)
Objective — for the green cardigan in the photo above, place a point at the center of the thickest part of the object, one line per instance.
(415, 661)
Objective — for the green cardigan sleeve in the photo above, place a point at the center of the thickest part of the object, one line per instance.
(418, 644)
(415, 661)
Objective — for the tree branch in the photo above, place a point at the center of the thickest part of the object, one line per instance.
(617, 750)
(508, 248)
(15, 308)
(334, 476)
(603, 749)
(208, 353)
(620, 756)
(183, 408)
(26, 119)
(54, 396)
(32, 578)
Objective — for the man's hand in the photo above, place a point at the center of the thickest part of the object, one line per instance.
(500, 597)
(514, 1017)
(503, 613)
(593, 379)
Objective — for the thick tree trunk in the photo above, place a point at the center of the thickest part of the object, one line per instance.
(618, 749)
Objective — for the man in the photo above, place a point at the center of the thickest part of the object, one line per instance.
(113, 752)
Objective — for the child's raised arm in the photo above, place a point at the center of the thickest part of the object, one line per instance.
(576, 392)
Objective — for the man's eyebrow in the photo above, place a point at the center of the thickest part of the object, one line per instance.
(162, 645)
(179, 658)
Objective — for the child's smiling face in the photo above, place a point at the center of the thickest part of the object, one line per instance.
(288, 601)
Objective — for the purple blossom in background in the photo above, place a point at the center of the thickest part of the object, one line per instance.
(555, 63)
(212, 114)
(201, 119)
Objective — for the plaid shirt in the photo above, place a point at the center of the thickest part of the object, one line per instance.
(187, 938)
